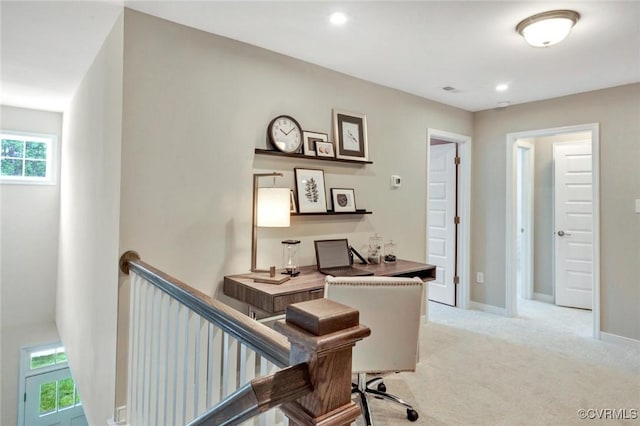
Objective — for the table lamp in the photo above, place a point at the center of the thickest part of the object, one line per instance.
(271, 208)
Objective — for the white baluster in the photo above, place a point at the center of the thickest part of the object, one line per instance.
(229, 365)
(214, 366)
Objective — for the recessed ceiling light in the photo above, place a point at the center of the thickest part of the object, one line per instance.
(502, 87)
(338, 18)
(448, 88)
(547, 28)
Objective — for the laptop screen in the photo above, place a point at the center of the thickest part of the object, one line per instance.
(332, 253)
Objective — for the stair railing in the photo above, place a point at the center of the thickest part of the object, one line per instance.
(193, 360)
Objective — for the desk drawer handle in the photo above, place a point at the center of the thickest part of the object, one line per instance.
(318, 290)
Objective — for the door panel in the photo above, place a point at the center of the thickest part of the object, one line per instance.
(573, 218)
(52, 400)
(442, 230)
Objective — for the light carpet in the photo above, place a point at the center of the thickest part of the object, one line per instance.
(539, 368)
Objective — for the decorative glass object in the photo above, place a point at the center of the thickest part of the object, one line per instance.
(290, 257)
(390, 252)
(375, 249)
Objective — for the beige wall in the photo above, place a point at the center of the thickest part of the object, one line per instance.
(28, 266)
(195, 107)
(618, 112)
(87, 286)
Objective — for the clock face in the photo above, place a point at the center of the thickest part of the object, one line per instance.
(285, 133)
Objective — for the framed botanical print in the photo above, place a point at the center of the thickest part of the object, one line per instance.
(311, 191)
(343, 199)
(350, 133)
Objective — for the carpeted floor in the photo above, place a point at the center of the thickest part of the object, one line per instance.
(540, 368)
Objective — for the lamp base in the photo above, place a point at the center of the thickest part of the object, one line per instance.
(291, 273)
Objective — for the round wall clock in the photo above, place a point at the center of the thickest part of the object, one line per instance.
(285, 134)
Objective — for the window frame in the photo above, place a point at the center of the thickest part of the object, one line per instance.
(51, 161)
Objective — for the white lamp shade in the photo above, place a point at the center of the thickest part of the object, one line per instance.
(547, 32)
(273, 209)
(547, 28)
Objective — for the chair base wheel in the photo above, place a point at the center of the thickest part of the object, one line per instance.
(412, 415)
(382, 387)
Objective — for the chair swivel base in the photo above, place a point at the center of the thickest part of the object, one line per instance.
(379, 392)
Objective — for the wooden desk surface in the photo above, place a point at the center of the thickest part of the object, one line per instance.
(309, 285)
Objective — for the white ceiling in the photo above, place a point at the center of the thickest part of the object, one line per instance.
(415, 46)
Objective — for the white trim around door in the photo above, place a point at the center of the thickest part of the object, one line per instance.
(511, 235)
(464, 208)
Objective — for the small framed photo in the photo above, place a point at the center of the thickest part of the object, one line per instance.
(292, 203)
(350, 134)
(310, 190)
(344, 200)
(325, 149)
(310, 139)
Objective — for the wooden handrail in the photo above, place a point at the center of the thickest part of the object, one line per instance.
(263, 340)
(313, 346)
(258, 396)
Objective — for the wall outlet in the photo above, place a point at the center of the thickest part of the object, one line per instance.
(637, 206)
(480, 277)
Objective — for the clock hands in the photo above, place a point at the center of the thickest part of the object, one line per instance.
(287, 133)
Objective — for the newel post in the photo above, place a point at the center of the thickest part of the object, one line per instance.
(322, 333)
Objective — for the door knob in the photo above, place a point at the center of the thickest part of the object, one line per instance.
(562, 233)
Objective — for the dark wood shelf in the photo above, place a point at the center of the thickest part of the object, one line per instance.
(307, 157)
(332, 213)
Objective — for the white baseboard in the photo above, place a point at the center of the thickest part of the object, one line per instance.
(547, 298)
(619, 340)
(487, 308)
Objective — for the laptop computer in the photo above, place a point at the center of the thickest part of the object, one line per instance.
(332, 257)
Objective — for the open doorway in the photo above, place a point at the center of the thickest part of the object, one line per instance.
(448, 206)
(552, 219)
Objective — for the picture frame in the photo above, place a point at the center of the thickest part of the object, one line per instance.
(325, 149)
(310, 190)
(292, 202)
(309, 140)
(343, 199)
(350, 134)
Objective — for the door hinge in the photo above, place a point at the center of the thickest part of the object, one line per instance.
(456, 160)
(456, 280)
(456, 220)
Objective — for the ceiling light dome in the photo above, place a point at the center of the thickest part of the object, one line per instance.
(547, 28)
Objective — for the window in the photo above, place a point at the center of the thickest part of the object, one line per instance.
(47, 357)
(27, 158)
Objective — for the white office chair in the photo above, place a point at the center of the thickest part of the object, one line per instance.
(390, 307)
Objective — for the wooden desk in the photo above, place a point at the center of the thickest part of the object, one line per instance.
(274, 298)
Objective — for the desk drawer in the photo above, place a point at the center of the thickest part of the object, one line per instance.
(281, 302)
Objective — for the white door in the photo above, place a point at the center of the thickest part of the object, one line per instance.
(524, 205)
(573, 205)
(52, 400)
(442, 228)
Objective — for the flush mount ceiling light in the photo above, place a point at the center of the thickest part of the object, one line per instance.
(547, 28)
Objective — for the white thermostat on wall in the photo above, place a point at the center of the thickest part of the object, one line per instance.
(396, 181)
